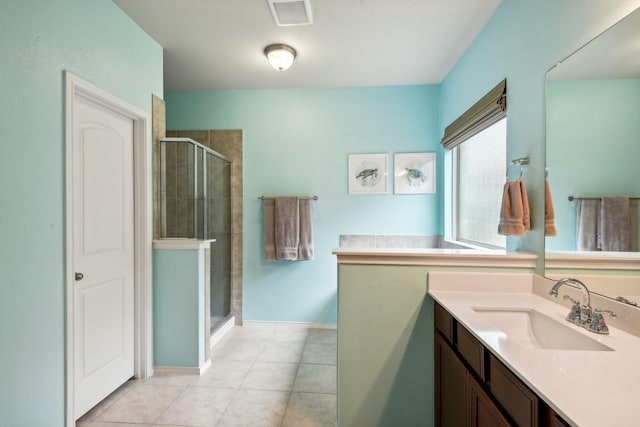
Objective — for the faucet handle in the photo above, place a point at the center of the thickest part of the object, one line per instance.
(574, 314)
(611, 313)
(597, 323)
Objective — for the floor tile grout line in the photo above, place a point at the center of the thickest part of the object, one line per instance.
(166, 408)
(295, 377)
(235, 393)
(284, 414)
(109, 405)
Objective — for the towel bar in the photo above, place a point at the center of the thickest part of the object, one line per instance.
(522, 161)
(302, 197)
(572, 198)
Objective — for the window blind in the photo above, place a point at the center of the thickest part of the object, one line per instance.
(488, 110)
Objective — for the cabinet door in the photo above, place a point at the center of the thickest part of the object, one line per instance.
(451, 383)
(482, 412)
(513, 395)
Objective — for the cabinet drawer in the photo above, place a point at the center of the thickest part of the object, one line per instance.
(443, 322)
(517, 400)
(471, 350)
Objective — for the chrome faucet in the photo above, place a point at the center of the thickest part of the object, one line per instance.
(582, 314)
(585, 310)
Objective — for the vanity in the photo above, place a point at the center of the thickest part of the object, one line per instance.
(472, 385)
(505, 355)
(441, 337)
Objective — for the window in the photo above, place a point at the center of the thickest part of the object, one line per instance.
(480, 165)
(476, 146)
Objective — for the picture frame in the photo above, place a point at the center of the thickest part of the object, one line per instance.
(414, 173)
(368, 173)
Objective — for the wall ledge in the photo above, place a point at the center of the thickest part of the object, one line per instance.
(182, 244)
(436, 257)
(593, 260)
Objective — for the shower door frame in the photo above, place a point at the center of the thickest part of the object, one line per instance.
(204, 162)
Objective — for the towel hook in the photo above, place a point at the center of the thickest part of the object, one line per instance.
(522, 161)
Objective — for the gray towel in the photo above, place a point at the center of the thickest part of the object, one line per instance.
(587, 213)
(614, 224)
(287, 228)
(269, 206)
(305, 248)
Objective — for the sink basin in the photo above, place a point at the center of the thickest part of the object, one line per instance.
(532, 329)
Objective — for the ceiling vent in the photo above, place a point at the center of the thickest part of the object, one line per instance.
(291, 12)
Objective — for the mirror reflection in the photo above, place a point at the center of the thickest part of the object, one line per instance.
(593, 159)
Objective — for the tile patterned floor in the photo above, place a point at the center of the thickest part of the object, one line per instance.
(260, 376)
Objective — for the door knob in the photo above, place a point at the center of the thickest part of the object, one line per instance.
(79, 276)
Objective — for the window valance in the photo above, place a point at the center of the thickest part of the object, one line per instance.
(487, 111)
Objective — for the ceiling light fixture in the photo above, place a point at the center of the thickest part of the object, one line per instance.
(280, 56)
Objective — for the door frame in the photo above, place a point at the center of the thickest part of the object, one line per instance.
(76, 87)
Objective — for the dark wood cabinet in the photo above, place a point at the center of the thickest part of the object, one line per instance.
(515, 397)
(475, 389)
(472, 351)
(451, 386)
(482, 412)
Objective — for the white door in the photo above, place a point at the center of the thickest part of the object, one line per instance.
(103, 260)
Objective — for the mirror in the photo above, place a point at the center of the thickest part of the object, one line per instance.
(593, 151)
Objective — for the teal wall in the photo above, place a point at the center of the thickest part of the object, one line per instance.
(521, 41)
(38, 41)
(296, 141)
(178, 307)
(592, 131)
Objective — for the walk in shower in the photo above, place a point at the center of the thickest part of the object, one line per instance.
(195, 203)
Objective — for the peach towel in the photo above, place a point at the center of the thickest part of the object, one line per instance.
(514, 213)
(549, 214)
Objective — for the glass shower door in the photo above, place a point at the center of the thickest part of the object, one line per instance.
(218, 226)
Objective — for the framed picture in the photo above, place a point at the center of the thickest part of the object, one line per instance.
(414, 173)
(368, 173)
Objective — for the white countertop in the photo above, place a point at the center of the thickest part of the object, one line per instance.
(587, 388)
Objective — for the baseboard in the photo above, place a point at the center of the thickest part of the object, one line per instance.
(219, 333)
(181, 370)
(301, 325)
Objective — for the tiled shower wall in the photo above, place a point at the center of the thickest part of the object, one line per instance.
(388, 241)
(158, 131)
(396, 242)
(229, 144)
(177, 215)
